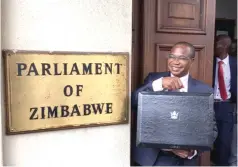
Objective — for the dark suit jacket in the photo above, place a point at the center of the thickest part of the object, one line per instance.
(233, 68)
(147, 156)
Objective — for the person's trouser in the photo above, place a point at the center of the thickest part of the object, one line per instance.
(224, 112)
(233, 157)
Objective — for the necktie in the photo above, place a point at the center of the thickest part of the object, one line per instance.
(221, 81)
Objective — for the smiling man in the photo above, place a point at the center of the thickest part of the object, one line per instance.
(180, 60)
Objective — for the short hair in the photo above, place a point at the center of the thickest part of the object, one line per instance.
(223, 36)
(189, 45)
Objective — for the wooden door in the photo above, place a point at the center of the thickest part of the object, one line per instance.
(169, 21)
(166, 22)
(137, 27)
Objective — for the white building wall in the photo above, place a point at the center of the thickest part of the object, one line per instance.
(68, 25)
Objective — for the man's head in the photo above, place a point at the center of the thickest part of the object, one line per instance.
(222, 46)
(181, 58)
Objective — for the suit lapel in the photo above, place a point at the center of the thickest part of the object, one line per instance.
(191, 84)
(232, 66)
(167, 74)
(233, 69)
(214, 72)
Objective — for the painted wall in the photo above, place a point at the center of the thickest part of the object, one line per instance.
(227, 9)
(68, 25)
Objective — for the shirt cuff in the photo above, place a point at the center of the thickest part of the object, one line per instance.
(195, 153)
(157, 85)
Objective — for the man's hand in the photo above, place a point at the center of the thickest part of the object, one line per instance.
(171, 83)
(183, 153)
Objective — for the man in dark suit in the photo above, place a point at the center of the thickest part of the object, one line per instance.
(180, 60)
(225, 95)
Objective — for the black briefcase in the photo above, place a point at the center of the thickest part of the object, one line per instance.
(170, 120)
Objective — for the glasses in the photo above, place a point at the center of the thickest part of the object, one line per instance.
(179, 58)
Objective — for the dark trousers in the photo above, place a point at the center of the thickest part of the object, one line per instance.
(224, 112)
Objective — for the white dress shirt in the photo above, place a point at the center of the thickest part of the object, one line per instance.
(157, 86)
(227, 78)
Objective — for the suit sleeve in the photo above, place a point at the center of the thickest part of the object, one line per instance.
(234, 90)
(147, 86)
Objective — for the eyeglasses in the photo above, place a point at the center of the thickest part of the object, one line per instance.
(179, 58)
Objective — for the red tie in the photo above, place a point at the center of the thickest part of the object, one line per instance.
(221, 81)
